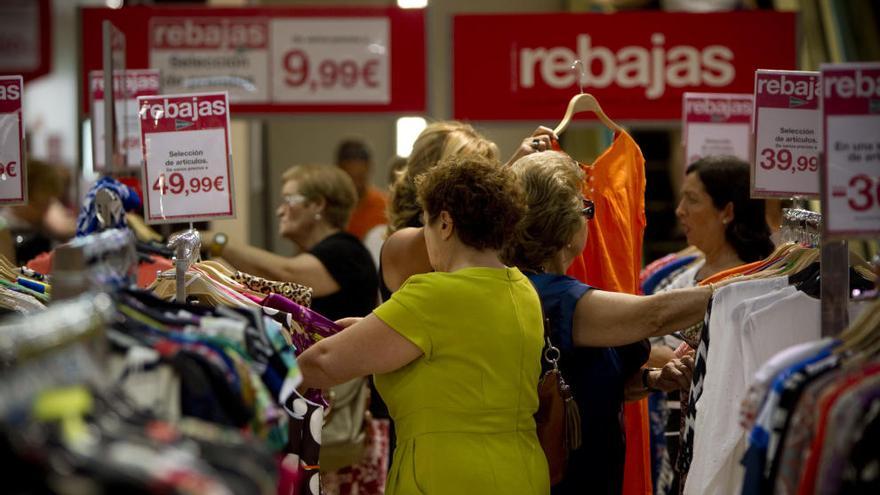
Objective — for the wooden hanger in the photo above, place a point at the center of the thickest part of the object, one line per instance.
(863, 335)
(585, 102)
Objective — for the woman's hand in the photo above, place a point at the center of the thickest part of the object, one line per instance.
(538, 141)
(347, 322)
(674, 375)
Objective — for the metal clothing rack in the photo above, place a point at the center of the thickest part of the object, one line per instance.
(187, 246)
(802, 226)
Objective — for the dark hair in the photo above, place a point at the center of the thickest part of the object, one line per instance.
(726, 180)
(484, 200)
(352, 149)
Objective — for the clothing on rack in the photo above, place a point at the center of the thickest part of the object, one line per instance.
(812, 411)
(769, 306)
(65, 422)
(88, 221)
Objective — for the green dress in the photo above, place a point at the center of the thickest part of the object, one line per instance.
(464, 410)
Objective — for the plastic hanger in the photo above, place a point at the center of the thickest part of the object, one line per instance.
(584, 102)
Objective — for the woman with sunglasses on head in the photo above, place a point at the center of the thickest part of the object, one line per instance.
(586, 323)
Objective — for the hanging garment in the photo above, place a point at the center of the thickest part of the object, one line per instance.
(670, 270)
(87, 221)
(297, 293)
(611, 260)
(612, 257)
(753, 331)
(718, 314)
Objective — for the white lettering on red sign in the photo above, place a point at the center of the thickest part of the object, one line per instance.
(653, 68)
(857, 85)
(190, 110)
(720, 108)
(787, 87)
(123, 85)
(10, 93)
(208, 33)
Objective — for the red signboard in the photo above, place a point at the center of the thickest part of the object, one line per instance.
(788, 134)
(716, 124)
(638, 64)
(187, 157)
(13, 171)
(851, 168)
(275, 60)
(25, 37)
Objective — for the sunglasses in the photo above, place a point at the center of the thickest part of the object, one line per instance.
(589, 209)
(293, 199)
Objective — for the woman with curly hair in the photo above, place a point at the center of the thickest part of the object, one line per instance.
(456, 352)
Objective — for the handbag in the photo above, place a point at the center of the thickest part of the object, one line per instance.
(343, 438)
(558, 419)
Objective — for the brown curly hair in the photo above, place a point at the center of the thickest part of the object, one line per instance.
(484, 200)
(437, 141)
(552, 183)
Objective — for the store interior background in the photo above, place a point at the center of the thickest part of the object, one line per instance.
(263, 147)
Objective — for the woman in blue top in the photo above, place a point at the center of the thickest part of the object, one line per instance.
(585, 323)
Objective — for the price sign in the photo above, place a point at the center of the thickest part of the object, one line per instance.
(187, 157)
(127, 86)
(212, 54)
(331, 60)
(788, 134)
(13, 173)
(851, 175)
(716, 124)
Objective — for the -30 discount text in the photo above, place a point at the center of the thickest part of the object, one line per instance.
(13, 187)
(851, 176)
(788, 134)
(187, 157)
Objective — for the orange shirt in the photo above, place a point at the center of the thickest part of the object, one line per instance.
(615, 182)
(369, 212)
(611, 260)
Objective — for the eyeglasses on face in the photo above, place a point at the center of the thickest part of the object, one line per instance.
(589, 209)
(292, 199)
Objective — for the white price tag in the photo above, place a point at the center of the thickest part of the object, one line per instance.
(128, 86)
(187, 157)
(851, 175)
(13, 171)
(716, 124)
(788, 134)
(331, 60)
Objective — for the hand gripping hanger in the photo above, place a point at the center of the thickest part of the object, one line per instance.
(584, 102)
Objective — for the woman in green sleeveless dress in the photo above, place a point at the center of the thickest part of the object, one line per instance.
(456, 352)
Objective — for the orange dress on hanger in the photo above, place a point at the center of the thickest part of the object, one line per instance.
(611, 260)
